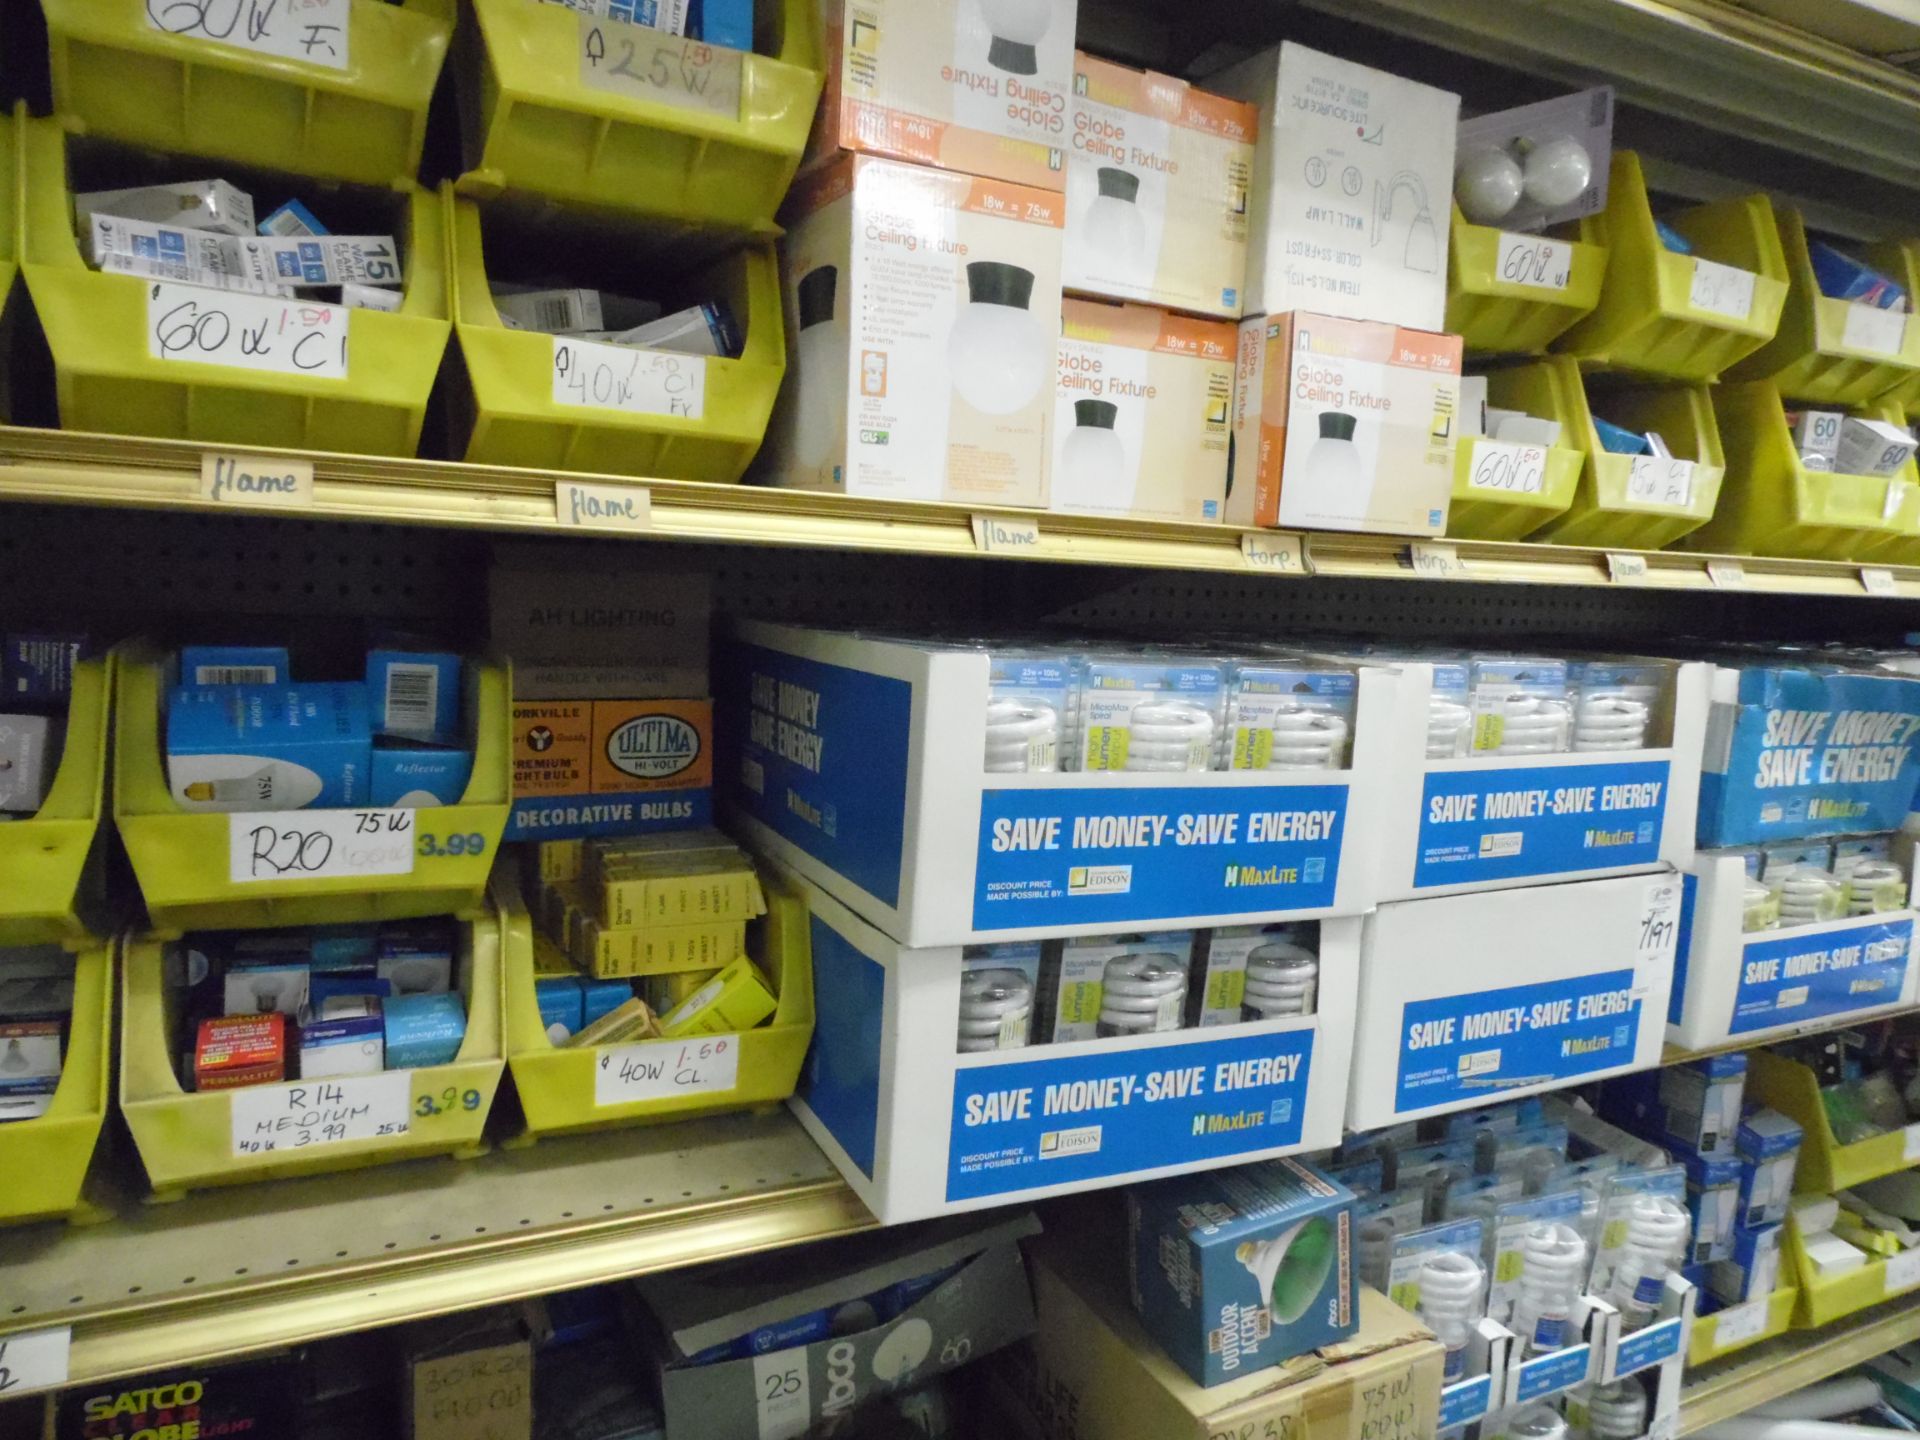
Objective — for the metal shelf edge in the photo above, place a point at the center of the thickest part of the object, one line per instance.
(1776, 1367)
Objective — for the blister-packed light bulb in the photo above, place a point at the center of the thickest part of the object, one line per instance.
(1169, 735)
(1305, 738)
(1534, 725)
(1617, 1411)
(1874, 886)
(1447, 725)
(1023, 735)
(998, 355)
(1141, 992)
(996, 1010)
(1759, 906)
(1450, 1284)
(1610, 722)
(1808, 894)
(1536, 1422)
(1281, 979)
(1488, 183)
(1657, 1230)
(1553, 1265)
(1556, 172)
(1375, 1246)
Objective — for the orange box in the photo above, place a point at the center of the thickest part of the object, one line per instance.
(236, 1050)
(611, 747)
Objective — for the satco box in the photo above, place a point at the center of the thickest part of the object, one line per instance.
(252, 1397)
(981, 89)
(1141, 412)
(1352, 189)
(599, 767)
(923, 308)
(1157, 177)
(1353, 429)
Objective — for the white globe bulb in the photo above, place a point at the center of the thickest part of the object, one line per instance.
(1557, 172)
(1093, 462)
(820, 356)
(1488, 185)
(1331, 461)
(998, 356)
(1112, 221)
(1015, 28)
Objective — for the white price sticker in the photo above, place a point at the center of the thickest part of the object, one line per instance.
(246, 332)
(34, 1360)
(255, 480)
(312, 30)
(1910, 1144)
(318, 844)
(1882, 332)
(1903, 1271)
(602, 507)
(782, 1404)
(1659, 922)
(1727, 574)
(658, 1069)
(1276, 552)
(1509, 468)
(1653, 480)
(1625, 568)
(1534, 260)
(645, 64)
(270, 1119)
(1739, 1323)
(1002, 535)
(625, 377)
(1435, 561)
(1896, 497)
(1877, 580)
(1721, 289)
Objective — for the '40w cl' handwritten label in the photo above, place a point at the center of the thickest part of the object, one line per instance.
(623, 377)
(247, 332)
(310, 30)
(657, 1069)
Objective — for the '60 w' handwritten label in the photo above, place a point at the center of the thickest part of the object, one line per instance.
(319, 845)
(1535, 260)
(248, 332)
(310, 30)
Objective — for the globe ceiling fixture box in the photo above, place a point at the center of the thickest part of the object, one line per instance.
(1512, 814)
(979, 87)
(920, 1127)
(1349, 425)
(923, 311)
(1471, 998)
(869, 766)
(1141, 412)
(1352, 182)
(1157, 177)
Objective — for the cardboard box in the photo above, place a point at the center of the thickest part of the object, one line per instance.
(248, 1397)
(546, 612)
(192, 204)
(1352, 188)
(414, 693)
(469, 1377)
(1471, 997)
(1354, 427)
(411, 777)
(1157, 180)
(236, 1050)
(981, 89)
(597, 767)
(1142, 413)
(923, 309)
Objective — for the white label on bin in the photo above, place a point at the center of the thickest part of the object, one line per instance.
(1910, 1145)
(624, 377)
(310, 30)
(661, 1069)
(783, 1408)
(1903, 1271)
(1727, 574)
(246, 332)
(230, 479)
(1003, 535)
(1877, 580)
(1884, 332)
(1504, 466)
(603, 507)
(645, 64)
(1275, 551)
(1740, 1322)
(1436, 562)
(34, 1360)
(1534, 260)
(1657, 480)
(1896, 497)
(318, 844)
(1721, 289)
(271, 1119)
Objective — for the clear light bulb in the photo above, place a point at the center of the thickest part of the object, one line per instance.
(277, 785)
(1450, 1284)
(1305, 738)
(1023, 736)
(1657, 1230)
(1557, 171)
(1487, 184)
(1808, 894)
(1292, 1267)
(1617, 1411)
(1534, 725)
(1093, 462)
(1610, 722)
(1112, 222)
(1874, 886)
(1553, 1265)
(1016, 27)
(1281, 979)
(998, 356)
(820, 357)
(1169, 735)
(1332, 460)
(1142, 992)
(1536, 1422)
(996, 1010)
(1447, 725)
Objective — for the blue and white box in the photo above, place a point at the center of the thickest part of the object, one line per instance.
(268, 747)
(415, 777)
(1752, 1271)
(343, 1035)
(1713, 1199)
(1769, 1147)
(1467, 999)
(424, 1030)
(414, 693)
(235, 665)
(919, 1129)
(1692, 1108)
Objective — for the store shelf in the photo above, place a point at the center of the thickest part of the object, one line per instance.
(1776, 1367)
(58, 467)
(1678, 1054)
(259, 1266)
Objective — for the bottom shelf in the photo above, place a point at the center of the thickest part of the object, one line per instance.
(1776, 1367)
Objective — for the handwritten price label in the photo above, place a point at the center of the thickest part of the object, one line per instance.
(1534, 260)
(603, 507)
(1739, 1323)
(1276, 553)
(255, 480)
(1436, 562)
(1721, 290)
(34, 1360)
(644, 64)
(312, 30)
(475, 1395)
(657, 1069)
(1659, 921)
(319, 844)
(1000, 535)
(1868, 327)
(271, 1119)
(621, 377)
(1509, 468)
(1655, 481)
(246, 332)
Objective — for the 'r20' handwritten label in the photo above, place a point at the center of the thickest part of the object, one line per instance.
(247, 332)
(272, 1119)
(310, 30)
(623, 377)
(656, 1069)
(318, 844)
(1534, 260)
(645, 64)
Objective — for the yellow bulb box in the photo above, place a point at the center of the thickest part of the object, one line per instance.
(674, 890)
(736, 998)
(611, 952)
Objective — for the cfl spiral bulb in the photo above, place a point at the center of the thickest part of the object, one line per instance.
(1657, 1231)
(1553, 1263)
(1281, 979)
(1875, 885)
(1022, 736)
(1169, 735)
(1488, 183)
(1808, 895)
(1447, 722)
(1141, 992)
(998, 356)
(1617, 1411)
(1759, 910)
(1308, 739)
(1113, 224)
(820, 363)
(1610, 722)
(996, 1010)
(1534, 725)
(1450, 1284)
(1536, 1422)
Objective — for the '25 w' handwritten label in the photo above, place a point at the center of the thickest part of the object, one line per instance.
(247, 332)
(646, 64)
(319, 845)
(310, 30)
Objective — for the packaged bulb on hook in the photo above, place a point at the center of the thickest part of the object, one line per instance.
(1289, 716)
(1553, 1268)
(1559, 150)
(1655, 1246)
(1521, 705)
(1029, 702)
(1256, 972)
(1436, 1274)
(1150, 716)
(1487, 185)
(1101, 985)
(1617, 1411)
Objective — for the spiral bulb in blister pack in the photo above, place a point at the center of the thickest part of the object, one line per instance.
(1141, 992)
(1808, 894)
(1169, 735)
(1610, 722)
(1308, 739)
(1553, 1266)
(1617, 1411)
(1450, 1284)
(1282, 979)
(1759, 908)
(1375, 1245)
(1447, 725)
(1022, 735)
(996, 1010)
(1534, 725)
(1874, 886)
(1536, 1422)
(1657, 1231)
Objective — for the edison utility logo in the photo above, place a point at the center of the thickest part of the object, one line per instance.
(1100, 880)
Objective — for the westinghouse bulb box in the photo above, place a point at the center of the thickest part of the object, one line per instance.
(1471, 998)
(920, 1125)
(979, 87)
(923, 311)
(1349, 425)
(1142, 412)
(1157, 177)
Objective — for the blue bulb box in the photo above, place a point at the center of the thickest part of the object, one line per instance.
(235, 665)
(268, 747)
(413, 777)
(424, 1030)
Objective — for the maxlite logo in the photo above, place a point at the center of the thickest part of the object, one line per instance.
(1251, 875)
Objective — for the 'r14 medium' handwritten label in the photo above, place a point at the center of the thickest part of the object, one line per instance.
(317, 844)
(624, 377)
(658, 1069)
(603, 507)
(312, 30)
(273, 1119)
(255, 480)
(644, 64)
(1534, 260)
(246, 332)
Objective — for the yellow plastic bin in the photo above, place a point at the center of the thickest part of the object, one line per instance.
(1641, 506)
(103, 329)
(46, 884)
(1825, 1165)
(517, 419)
(1774, 505)
(45, 1159)
(1827, 1298)
(1707, 1344)
(559, 1088)
(1513, 294)
(559, 103)
(1491, 500)
(151, 75)
(1901, 260)
(1648, 319)
(1829, 351)
(192, 1140)
(9, 239)
(181, 858)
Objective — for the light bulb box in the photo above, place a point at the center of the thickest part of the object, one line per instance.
(860, 763)
(1732, 984)
(1529, 1379)
(923, 308)
(1471, 998)
(1157, 180)
(1350, 425)
(1142, 413)
(919, 1129)
(1352, 188)
(978, 87)
(268, 747)
(1490, 821)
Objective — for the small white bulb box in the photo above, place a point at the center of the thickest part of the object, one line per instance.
(1733, 984)
(919, 1129)
(861, 764)
(1467, 999)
